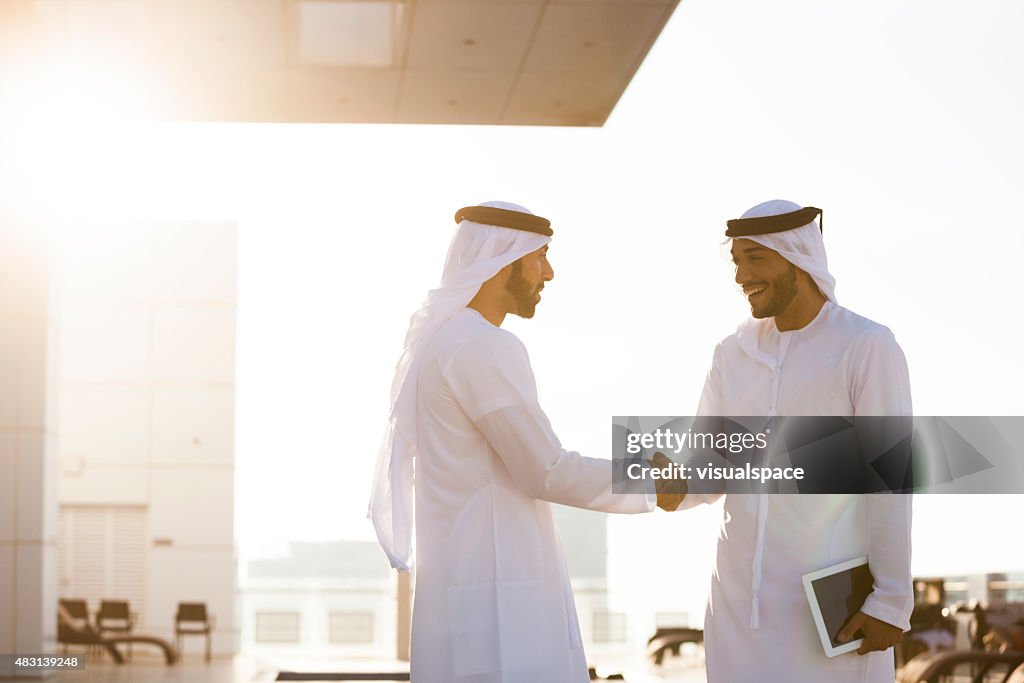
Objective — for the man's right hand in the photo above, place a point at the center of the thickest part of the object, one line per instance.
(670, 491)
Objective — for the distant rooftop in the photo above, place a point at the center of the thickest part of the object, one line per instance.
(340, 560)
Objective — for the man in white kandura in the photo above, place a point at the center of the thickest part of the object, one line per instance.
(802, 354)
(493, 602)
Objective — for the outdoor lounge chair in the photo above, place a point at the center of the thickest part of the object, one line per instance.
(192, 619)
(70, 630)
(77, 614)
(115, 617)
(935, 666)
(671, 640)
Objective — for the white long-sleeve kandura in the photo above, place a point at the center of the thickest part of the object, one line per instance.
(493, 602)
(758, 625)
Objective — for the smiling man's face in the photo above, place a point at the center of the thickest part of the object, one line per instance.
(769, 281)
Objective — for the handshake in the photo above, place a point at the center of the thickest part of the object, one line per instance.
(670, 491)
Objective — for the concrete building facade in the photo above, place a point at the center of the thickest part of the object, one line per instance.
(117, 445)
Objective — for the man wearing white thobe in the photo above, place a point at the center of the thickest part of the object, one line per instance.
(493, 603)
(801, 354)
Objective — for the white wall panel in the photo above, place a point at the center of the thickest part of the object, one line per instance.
(106, 344)
(31, 496)
(194, 262)
(193, 424)
(105, 422)
(7, 597)
(106, 265)
(194, 344)
(29, 599)
(9, 355)
(193, 506)
(8, 488)
(83, 482)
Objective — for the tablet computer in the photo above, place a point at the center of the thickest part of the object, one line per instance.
(835, 594)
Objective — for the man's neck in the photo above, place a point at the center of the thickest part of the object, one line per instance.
(492, 313)
(800, 312)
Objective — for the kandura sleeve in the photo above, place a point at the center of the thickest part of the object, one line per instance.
(880, 386)
(493, 384)
(545, 470)
(878, 375)
(892, 600)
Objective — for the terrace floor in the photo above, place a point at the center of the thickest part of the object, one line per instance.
(245, 668)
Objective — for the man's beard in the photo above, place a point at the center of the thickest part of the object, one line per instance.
(523, 293)
(783, 289)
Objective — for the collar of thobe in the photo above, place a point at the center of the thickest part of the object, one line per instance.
(748, 335)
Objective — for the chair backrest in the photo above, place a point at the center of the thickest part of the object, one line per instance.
(191, 611)
(113, 609)
(1017, 675)
(76, 609)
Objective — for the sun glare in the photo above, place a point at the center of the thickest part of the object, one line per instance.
(68, 129)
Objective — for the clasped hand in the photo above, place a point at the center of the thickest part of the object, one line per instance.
(878, 635)
(670, 491)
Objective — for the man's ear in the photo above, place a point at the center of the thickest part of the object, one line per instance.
(503, 274)
(497, 280)
(807, 281)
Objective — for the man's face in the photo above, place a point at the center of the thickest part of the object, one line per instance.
(527, 279)
(769, 281)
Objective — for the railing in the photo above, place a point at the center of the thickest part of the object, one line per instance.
(933, 668)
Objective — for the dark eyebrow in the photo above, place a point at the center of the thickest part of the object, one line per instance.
(747, 250)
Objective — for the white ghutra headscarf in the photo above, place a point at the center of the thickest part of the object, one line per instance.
(802, 246)
(476, 254)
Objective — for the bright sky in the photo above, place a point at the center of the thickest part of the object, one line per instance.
(900, 119)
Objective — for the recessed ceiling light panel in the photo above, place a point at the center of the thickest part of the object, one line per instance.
(348, 32)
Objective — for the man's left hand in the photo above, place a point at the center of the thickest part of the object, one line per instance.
(878, 635)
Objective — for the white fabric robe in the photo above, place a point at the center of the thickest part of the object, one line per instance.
(493, 602)
(758, 626)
